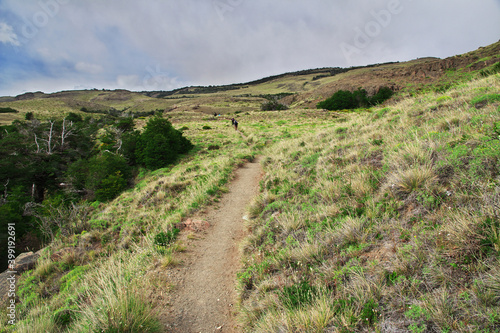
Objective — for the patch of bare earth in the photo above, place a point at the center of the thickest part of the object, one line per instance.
(204, 284)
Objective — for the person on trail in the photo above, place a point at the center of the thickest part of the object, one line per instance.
(235, 125)
(232, 121)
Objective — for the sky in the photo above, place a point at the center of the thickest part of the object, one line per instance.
(55, 45)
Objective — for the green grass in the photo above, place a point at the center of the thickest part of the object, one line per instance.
(379, 227)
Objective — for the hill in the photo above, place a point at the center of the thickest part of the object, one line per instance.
(298, 90)
(379, 219)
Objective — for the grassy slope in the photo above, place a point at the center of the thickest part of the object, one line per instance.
(382, 221)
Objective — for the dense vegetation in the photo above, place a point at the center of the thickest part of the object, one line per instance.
(345, 100)
(8, 110)
(53, 164)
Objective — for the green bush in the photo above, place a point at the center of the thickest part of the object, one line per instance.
(74, 117)
(110, 187)
(160, 144)
(273, 106)
(8, 110)
(125, 124)
(341, 100)
(381, 96)
(106, 175)
(346, 100)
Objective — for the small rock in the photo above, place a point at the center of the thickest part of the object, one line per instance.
(193, 225)
(26, 261)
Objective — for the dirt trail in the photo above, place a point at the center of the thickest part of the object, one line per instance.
(204, 293)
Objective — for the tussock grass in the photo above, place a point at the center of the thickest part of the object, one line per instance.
(393, 213)
(121, 305)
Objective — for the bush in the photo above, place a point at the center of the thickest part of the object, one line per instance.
(381, 96)
(105, 174)
(74, 117)
(110, 187)
(8, 110)
(160, 144)
(125, 124)
(341, 100)
(273, 106)
(346, 100)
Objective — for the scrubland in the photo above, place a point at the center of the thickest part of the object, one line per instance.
(381, 220)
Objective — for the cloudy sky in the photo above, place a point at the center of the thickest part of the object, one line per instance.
(53, 45)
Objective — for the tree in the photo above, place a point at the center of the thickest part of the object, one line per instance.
(383, 94)
(160, 144)
(104, 175)
(343, 99)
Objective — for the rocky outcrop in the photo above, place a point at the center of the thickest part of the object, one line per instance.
(23, 262)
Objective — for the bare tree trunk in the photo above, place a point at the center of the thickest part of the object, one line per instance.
(37, 145)
(65, 133)
(49, 141)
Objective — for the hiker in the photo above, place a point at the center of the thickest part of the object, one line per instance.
(235, 125)
(232, 121)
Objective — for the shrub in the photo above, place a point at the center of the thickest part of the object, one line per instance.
(110, 187)
(106, 175)
(339, 101)
(74, 117)
(160, 144)
(125, 124)
(8, 110)
(381, 96)
(346, 100)
(273, 106)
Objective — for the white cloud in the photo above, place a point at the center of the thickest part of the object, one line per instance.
(7, 35)
(161, 44)
(128, 80)
(88, 68)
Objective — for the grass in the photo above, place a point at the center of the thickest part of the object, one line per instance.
(379, 227)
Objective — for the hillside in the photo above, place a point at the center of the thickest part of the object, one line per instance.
(306, 88)
(378, 219)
